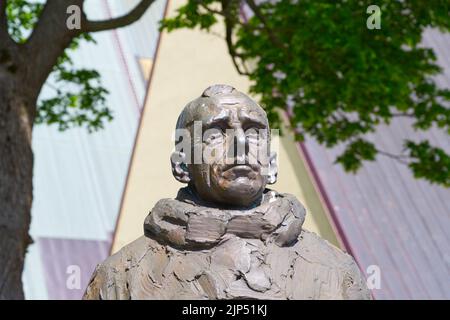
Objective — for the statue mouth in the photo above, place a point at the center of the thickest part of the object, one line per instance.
(241, 169)
(235, 171)
(240, 166)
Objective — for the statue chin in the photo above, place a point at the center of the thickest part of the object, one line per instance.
(239, 192)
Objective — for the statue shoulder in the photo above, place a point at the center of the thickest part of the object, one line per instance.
(108, 282)
(319, 251)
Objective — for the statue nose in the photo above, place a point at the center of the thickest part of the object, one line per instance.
(240, 146)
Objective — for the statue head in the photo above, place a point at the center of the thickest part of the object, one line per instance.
(222, 148)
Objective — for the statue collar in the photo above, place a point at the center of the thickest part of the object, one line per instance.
(186, 223)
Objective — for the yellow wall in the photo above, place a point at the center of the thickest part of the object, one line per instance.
(187, 62)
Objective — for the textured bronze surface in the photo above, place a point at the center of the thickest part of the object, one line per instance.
(225, 235)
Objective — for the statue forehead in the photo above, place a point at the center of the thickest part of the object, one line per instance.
(233, 106)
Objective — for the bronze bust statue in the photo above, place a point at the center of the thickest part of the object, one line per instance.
(225, 235)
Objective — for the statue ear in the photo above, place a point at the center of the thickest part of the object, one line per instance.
(179, 166)
(273, 169)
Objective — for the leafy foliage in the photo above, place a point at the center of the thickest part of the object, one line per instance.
(355, 153)
(80, 98)
(22, 17)
(425, 160)
(190, 16)
(337, 79)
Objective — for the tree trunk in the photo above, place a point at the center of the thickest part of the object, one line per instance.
(23, 70)
(16, 166)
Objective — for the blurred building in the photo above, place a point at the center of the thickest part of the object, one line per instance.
(93, 191)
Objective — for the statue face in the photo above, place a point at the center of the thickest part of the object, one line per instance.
(234, 141)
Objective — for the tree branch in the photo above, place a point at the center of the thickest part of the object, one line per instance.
(3, 22)
(232, 50)
(208, 9)
(398, 157)
(49, 39)
(273, 38)
(125, 20)
(4, 36)
(403, 114)
(229, 25)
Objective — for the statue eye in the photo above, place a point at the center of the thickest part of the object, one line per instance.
(251, 132)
